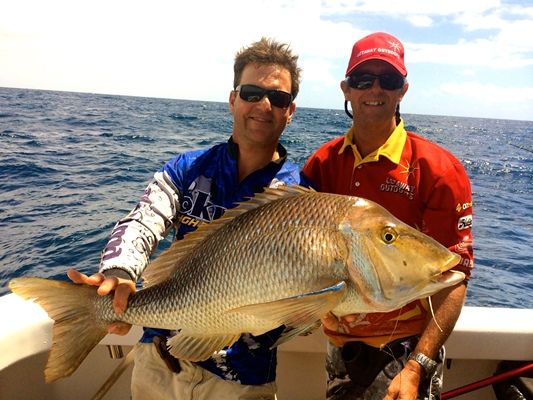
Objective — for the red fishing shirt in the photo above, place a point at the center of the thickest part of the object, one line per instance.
(420, 183)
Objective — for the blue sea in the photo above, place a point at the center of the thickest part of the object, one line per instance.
(72, 164)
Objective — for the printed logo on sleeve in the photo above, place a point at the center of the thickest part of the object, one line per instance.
(464, 222)
(465, 206)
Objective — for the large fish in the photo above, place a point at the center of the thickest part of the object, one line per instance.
(286, 257)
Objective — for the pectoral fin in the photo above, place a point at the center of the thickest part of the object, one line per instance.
(304, 309)
(194, 347)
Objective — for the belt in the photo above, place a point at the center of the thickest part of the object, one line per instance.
(173, 364)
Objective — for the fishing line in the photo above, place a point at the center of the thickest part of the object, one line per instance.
(385, 347)
(433, 314)
(390, 352)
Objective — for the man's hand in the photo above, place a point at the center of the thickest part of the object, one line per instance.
(404, 386)
(123, 288)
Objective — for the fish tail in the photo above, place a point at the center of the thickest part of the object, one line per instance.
(76, 328)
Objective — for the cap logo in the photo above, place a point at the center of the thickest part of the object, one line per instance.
(395, 46)
(363, 52)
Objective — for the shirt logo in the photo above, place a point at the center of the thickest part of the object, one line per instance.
(464, 222)
(197, 206)
(394, 186)
(461, 207)
(464, 249)
(409, 168)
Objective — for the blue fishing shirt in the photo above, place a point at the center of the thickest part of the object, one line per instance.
(208, 183)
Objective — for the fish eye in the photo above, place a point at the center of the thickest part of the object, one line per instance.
(388, 235)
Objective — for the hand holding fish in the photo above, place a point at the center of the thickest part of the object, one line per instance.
(123, 289)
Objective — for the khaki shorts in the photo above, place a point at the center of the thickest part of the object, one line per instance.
(151, 379)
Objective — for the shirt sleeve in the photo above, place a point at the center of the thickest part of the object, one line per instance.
(449, 214)
(310, 174)
(135, 237)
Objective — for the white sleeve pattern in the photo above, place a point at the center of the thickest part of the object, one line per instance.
(135, 237)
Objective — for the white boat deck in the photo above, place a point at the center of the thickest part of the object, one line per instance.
(481, 338)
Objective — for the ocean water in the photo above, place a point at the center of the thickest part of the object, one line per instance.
(72, 164)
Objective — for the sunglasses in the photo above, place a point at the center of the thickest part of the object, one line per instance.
(253, 94)
(386, 81)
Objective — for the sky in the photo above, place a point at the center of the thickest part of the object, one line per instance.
(471, 58)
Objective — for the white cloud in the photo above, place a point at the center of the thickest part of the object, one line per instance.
(489, 94)
(409, 7)
(423, 21)
(468, 72)
(493, 53)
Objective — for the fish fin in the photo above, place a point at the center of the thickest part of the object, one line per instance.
(194, 347)
(292, 332)
(168, 262)
(303, 309)
(75, 331)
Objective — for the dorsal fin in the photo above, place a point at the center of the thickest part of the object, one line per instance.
(169, 260)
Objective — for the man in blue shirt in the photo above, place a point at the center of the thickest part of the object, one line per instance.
(197, 187)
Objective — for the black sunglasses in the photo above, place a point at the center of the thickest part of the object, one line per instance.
(386, 81)
(252, 93)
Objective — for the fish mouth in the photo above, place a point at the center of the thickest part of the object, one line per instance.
(450, 277)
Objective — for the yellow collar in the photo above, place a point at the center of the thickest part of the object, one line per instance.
(392, 148)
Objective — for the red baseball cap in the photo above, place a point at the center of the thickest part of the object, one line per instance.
(378, 46)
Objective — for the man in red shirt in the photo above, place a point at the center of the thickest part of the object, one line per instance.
(399, 354)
